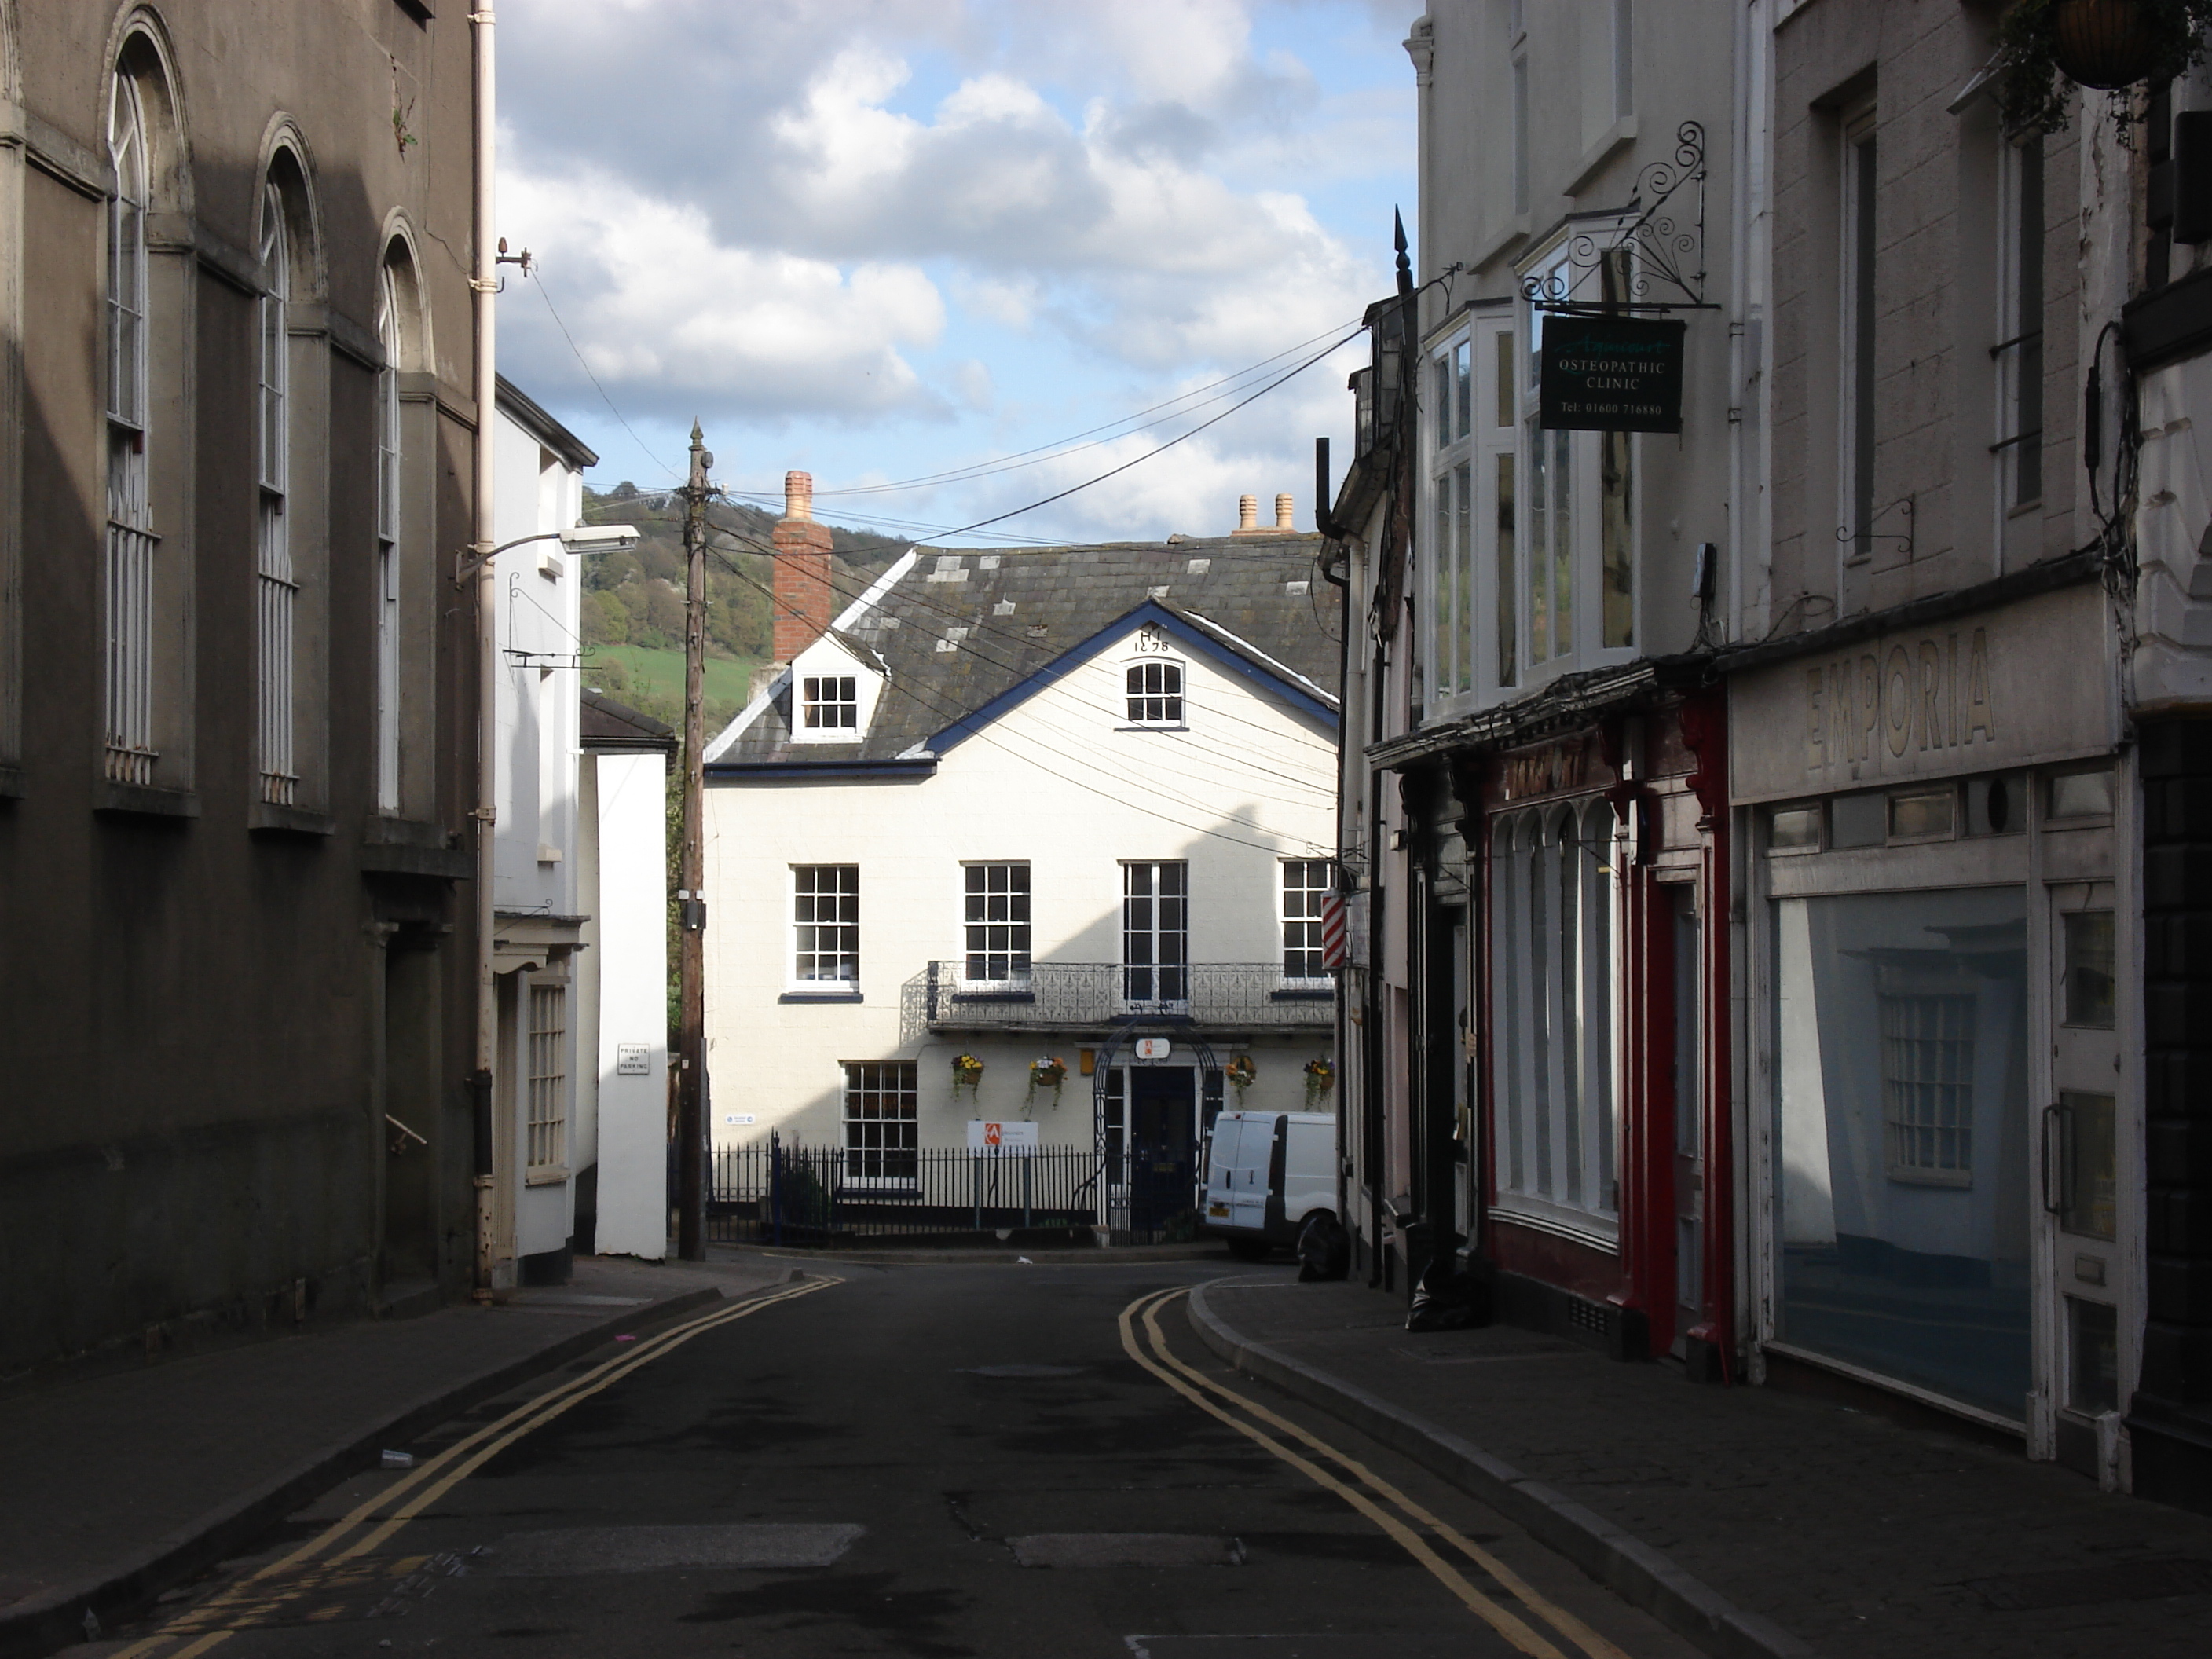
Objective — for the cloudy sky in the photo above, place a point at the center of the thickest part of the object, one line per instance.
(887, 240)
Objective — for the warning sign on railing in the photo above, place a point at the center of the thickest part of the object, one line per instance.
(984, 1136)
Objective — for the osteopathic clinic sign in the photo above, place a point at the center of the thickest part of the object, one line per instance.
(1017, 1139)
(1610, 374)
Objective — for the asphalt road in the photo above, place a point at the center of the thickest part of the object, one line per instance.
(1005, 1461)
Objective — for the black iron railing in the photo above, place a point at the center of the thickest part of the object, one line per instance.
(801, 1196)
(1073, 996)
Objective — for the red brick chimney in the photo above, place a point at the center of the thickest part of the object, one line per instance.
(804, 598)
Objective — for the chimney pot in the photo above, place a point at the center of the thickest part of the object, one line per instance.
(798, 495)
(1248, 512)
(1284, 507)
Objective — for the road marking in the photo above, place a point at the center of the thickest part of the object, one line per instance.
(1189, 1380)
(447, 1469)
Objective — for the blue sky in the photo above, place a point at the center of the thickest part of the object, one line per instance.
(881, 239)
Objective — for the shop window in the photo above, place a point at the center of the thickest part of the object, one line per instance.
(1794, 830)
(1858, 821)
(2089, 969)
(1923, 815)
(1997, 807)
(2081, 795)
(2092, 1385)
(1554, 1006)
(1901, 1051)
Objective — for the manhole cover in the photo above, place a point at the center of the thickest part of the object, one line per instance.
(1023, 1370)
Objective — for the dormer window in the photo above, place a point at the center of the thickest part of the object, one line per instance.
(830, 702)
(1155, 694)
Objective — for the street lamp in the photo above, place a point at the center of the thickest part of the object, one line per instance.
(577, 539)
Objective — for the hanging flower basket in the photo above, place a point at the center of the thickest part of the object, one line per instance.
(2048, 48)
(967, 1071)
(1240, 1071)
(1049, 1072)
(1320, 1076)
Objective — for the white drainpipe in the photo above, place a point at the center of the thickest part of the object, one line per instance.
(485, 283)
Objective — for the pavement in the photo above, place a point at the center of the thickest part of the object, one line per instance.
(1754, 1522)
(121, 1485)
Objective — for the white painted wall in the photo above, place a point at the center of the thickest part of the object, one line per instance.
(534, 850)
(1055, 782)
(629, 967)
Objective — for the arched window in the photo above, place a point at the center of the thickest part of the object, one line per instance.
(388, 450)
(278, 590)
(1553, 1002)
(1155, 693)
(130, 654)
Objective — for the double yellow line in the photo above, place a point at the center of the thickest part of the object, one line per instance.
(376, 1518)
(1152, 1351)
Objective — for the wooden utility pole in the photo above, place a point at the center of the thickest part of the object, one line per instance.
(691, 1032)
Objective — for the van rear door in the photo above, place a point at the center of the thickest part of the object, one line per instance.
(1308, 1166)
(1255, 1148)
(1221, 1167)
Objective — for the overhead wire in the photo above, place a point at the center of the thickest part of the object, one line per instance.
(940, 710)
(977, 625)
(532, 272)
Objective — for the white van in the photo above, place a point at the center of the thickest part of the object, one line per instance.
(1265, 1173)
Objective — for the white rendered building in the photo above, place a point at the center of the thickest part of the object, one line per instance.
(1020, 805)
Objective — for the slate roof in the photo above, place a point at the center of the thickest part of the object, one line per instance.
(606, 724)
(1258, 597)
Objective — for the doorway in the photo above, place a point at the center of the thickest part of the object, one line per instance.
(1162, 1121)
(2081, 1160)
(1688, 1085)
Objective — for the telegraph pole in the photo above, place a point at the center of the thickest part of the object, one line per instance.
(691, 904)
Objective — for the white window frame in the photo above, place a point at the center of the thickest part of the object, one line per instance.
(976, 918)
(1298, 909)
(132, 544)
(876, 1081)
(831, 695)
(389, 462)
(807, 896)
(1172, 697)
(545, 1105)
(1556, 1012)
(278, 582)
(1471, 559)
(1160, 979)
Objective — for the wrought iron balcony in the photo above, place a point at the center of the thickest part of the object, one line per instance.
(1096, 996)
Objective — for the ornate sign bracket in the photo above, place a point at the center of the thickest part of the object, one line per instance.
(1662, 246)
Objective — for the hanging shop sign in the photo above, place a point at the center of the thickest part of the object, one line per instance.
(1602, 374)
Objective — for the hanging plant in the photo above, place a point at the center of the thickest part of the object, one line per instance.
(1048, 1072)
(1320, 1076)
(2047, 48)
(1240, 1071)
(967, 1071)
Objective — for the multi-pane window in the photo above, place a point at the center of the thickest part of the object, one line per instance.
(1472, 555)
(1451, 491)
(278, 586)
(830, 701)
(1927, 1085)
(2019, 352)
(1155, 934)
(1155, 694)
(1548, 460)
(130, 655)
(882, 1129)
(1306, 885)
(387, 545)
(996, 917)
(1553, 1000)
(825, 918)
(548, 1083)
